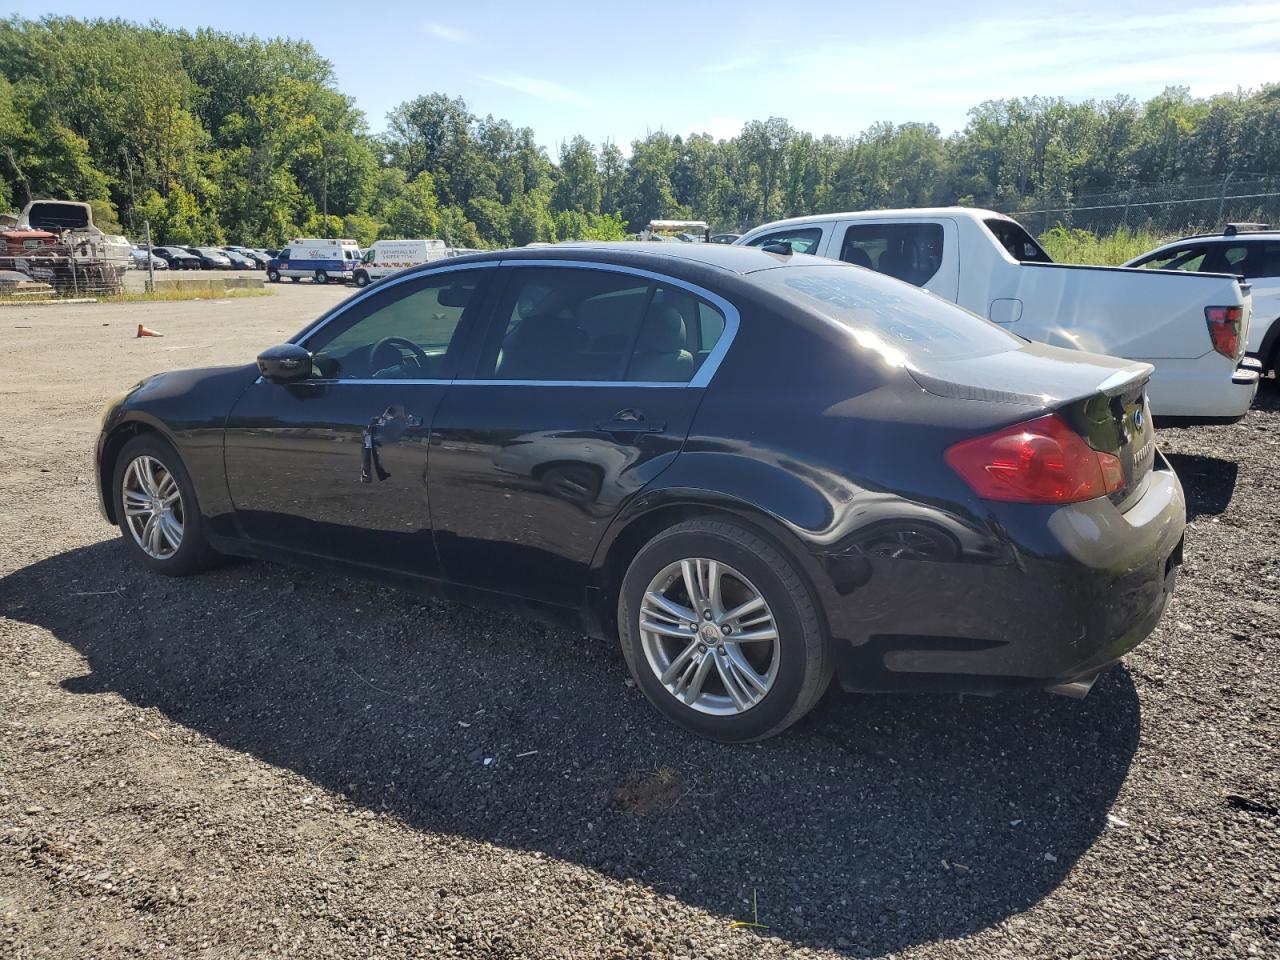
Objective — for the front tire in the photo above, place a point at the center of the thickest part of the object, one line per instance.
(361, 278)
(721, 633)
(157, 510)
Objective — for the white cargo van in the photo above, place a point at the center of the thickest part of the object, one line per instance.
(388, 256)
(321, 259)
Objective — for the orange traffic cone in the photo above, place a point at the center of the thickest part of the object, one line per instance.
(147, 332)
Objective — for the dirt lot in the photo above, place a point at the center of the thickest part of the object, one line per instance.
(265, 761)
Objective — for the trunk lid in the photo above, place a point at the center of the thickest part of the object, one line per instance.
(1104, 399)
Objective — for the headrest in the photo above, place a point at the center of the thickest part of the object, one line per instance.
(859, 258)
(663, 332)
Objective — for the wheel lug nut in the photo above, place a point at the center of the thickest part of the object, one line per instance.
(702, 648)
(706, 614)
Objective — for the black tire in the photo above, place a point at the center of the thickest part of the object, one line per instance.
(273, 276)
(194, 553)
(804, 664)
(361, 278)
(295, 279)
(321, 277)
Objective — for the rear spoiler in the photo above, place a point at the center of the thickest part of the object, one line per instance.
(1122, 380)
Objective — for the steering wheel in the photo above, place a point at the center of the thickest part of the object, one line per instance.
(393, 348)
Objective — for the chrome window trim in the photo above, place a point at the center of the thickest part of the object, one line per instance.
(701, 379)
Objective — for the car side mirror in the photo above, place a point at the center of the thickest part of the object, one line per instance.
(284, 363)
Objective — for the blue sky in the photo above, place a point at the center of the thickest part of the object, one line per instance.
(617, 70)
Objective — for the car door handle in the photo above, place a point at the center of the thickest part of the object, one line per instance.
(631, 420)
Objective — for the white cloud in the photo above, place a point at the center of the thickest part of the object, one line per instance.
(536, 87)
(444, 32)
(721, 128)
(732, 65)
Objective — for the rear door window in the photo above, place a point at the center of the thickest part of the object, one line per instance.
(584, 325)
(1015, 239)
(905, 251)
(1251, 260)
(802, 239)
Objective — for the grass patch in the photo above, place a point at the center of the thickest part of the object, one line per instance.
(1066, 245)
(137, 296)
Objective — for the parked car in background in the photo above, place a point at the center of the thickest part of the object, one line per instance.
(256, 257)
(140, 259)
(178, 258)
(211, 258)
(320, 259)
(238, 260)
(385, 257)
(914, 498)
(1250, 251)
(1190, 327)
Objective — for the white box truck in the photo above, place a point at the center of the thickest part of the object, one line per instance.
(387, 256)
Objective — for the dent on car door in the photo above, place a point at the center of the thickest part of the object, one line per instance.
(585, 390)
(335, 464)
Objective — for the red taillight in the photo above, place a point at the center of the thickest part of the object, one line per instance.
(1224, 328)
(1040, 461)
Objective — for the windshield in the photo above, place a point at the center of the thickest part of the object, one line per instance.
(893, 318)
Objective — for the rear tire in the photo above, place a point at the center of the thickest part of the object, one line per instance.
(778, 680)
(321, 277)
(147, 473)
(273, 276)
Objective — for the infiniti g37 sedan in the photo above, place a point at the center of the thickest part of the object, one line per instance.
(755, 470)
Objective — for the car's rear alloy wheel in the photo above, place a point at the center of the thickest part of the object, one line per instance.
(321, 277)
(720, 631)
(709, 635)
(152, 505)
(155, 505)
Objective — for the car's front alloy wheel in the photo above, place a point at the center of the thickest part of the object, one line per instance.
(156, 508)
(152, 505)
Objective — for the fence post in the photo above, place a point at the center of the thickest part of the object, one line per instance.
(1222, 197)
(151, 270)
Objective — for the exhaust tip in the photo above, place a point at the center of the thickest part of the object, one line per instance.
(1076, 689)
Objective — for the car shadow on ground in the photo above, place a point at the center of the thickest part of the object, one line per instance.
(875, 824)
(1207, 482)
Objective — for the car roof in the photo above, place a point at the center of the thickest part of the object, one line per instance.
(974, 213)
(644, 255)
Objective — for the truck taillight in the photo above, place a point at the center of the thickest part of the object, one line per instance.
(1039, 461)
(1224, 328)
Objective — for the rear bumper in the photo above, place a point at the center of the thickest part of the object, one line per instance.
(1204, 390)
(1075, 589)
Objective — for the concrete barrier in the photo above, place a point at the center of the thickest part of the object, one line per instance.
(209, 284)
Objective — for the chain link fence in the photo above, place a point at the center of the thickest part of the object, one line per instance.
(1166, 208)
(72, 267)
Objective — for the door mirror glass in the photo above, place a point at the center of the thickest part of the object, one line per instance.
(284, 363)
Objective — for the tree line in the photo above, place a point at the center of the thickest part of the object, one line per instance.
(217, 138)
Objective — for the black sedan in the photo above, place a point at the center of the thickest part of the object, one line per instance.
(178, 258)
(753, 469)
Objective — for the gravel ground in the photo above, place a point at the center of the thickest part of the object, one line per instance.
(267, 761)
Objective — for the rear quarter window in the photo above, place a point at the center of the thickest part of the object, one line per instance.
(901, 323)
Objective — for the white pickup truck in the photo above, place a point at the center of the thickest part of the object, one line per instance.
(1191, 327)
